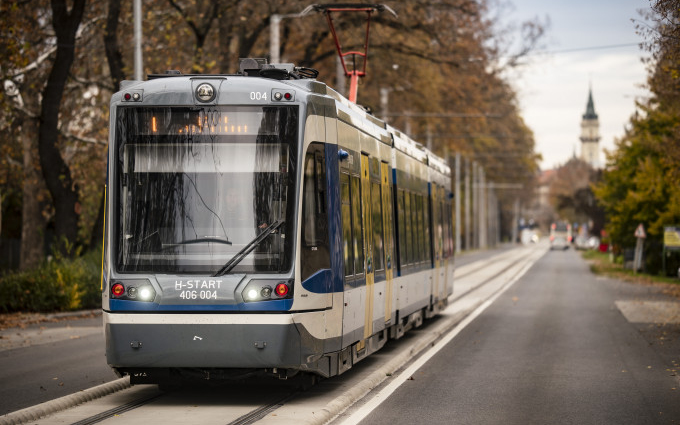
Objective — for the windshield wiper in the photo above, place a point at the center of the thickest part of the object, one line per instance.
(204, 239)
(248, 248)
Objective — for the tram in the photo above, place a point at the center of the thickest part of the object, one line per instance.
(262, 223)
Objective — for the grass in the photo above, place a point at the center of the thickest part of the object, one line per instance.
(601, 264)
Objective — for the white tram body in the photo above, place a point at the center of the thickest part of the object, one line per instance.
(264, 224)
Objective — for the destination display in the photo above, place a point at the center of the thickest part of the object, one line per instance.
(220, 121)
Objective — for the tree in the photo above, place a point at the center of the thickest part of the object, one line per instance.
(572, 197)
(57, 174)
(441, 56)
(637, 185)
(25, 59)
(641, 183)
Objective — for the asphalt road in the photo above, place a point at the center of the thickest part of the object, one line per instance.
(39, 363)
(42, 362)
(554, 348)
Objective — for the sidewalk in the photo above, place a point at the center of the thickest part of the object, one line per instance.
(22, 320)
(29, 329)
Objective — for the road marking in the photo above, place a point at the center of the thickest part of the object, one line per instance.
(384, 394)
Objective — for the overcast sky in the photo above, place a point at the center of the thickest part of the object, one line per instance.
(553, 88)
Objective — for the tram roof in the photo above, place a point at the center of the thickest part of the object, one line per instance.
(364, 119)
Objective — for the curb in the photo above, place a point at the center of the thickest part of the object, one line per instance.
(77, 313)
(36, 318)
(53, 406)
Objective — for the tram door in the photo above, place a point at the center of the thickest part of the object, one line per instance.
(436, 236)
(388, 230)
(440, 271)
(368, 243)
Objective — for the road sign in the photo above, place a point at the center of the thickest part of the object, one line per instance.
(640, 231)
(671, 237)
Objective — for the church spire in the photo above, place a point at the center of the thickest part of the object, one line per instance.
(590, 107)
(590, 134)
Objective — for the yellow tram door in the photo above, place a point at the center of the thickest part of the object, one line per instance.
(368, 243)
(436, 235)
(388, 230)
(442, 267)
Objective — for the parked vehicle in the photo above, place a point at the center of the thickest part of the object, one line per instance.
(560, 235)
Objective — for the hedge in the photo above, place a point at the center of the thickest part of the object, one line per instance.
(61, 284)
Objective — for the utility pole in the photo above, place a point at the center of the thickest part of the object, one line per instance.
(384, 100)
(137, 16)
(457, 201)
(515, 221)
(482, 208)
(340, 83)
(475, 206)
(468, 226)
(274, 38)
(274, 32)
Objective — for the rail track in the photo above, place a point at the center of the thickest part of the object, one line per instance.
(268, 401)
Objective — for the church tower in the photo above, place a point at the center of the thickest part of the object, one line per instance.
(590, 134)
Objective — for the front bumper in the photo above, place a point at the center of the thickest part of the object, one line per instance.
(202, 341)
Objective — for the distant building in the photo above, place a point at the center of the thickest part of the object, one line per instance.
(590, 134)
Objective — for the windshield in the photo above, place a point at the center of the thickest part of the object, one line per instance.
(561, 227)
(197, 185)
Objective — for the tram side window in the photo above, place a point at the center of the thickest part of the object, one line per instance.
(414, 229)
(421, 229)
(442, 214)
(378, 254)
(315, 249)
(347, 247)
(357, 226)
(446, 210)
(449, 213)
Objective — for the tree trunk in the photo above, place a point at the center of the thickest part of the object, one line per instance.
(113, 54)
(56, 172)
(32, 221)
(115, 61)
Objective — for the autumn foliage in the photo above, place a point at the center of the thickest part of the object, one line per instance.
(442, 62)
(641, 183)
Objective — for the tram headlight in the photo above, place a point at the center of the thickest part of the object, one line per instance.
(205, 92)
(264, 290)
(147, 293)
(133, 290)
(252, 294)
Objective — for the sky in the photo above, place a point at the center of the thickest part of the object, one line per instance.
(553, 87)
